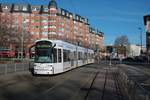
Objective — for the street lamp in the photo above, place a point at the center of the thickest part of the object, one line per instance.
(22, 39)
(140, 37)
(22, 44)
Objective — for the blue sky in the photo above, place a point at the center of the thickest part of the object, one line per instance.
(113, 17)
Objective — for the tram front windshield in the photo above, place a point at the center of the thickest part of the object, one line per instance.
(43, 55)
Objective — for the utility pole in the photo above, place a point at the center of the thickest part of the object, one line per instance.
(22, 43)
(140, 37)
(22, 37)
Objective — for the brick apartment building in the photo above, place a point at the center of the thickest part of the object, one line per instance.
(147, 24)
(32, 22)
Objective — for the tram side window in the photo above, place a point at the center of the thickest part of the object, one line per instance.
(72, 56)
(92, 55)
(85, 55)
(55, 55)
(66, 54)
(89, 56)
(59, 55)
(75, 55)
(80, 56)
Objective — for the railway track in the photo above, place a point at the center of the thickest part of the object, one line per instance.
(111, 89)
(85, 83)
(119, 93)
(91, 85)
(62, 84)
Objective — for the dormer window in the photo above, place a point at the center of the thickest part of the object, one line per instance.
(70, 15)
(80, 19)
(16, 7)
(86, 20)
(59, 11)
(45, 9)
(5, 7)
(67, 14)
(77, 17)
(35, 8)
(24, 8)
(63, 12)
(83, 20)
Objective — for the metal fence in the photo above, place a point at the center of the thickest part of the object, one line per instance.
(14, 67)
(133, 89)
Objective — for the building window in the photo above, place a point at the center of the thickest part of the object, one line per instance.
(52, 20)
(52, 14)
(5, 7)
(37, 27)
(71, 15)
(45, 27)
(44, 20)
(52, 32)
(61, 29)
(24, 8)
(67, 14)
(62, 23)
(16, 7)
(52, 26)
(77, 17)
(36, 20)
(45, 9)
(63, 12)
(35, 8)
(44, 33)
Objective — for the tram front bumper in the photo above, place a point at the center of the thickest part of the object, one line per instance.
(43, 72)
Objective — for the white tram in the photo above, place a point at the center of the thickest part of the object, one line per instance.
(56, 56)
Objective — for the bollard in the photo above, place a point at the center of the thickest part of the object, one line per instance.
(5, 69)
(147, 97)
(15, 67)
(23, 66)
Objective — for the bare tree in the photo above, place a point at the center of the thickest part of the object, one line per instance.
(122, 45)
(11, 35)
(4, 35)
(122, 40)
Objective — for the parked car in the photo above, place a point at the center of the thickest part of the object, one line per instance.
(7, 53)
(141, 59)
(128, 59)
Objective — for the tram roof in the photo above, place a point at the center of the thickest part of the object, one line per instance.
(64, 44)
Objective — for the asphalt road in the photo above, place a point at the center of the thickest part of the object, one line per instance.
(138, 73)
(71, 85)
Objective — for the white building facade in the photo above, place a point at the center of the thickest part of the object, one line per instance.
(134, 50)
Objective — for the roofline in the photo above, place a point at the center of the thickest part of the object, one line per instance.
(145, 20)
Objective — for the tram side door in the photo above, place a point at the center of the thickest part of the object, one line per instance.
(76, 56)
(72, 58)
